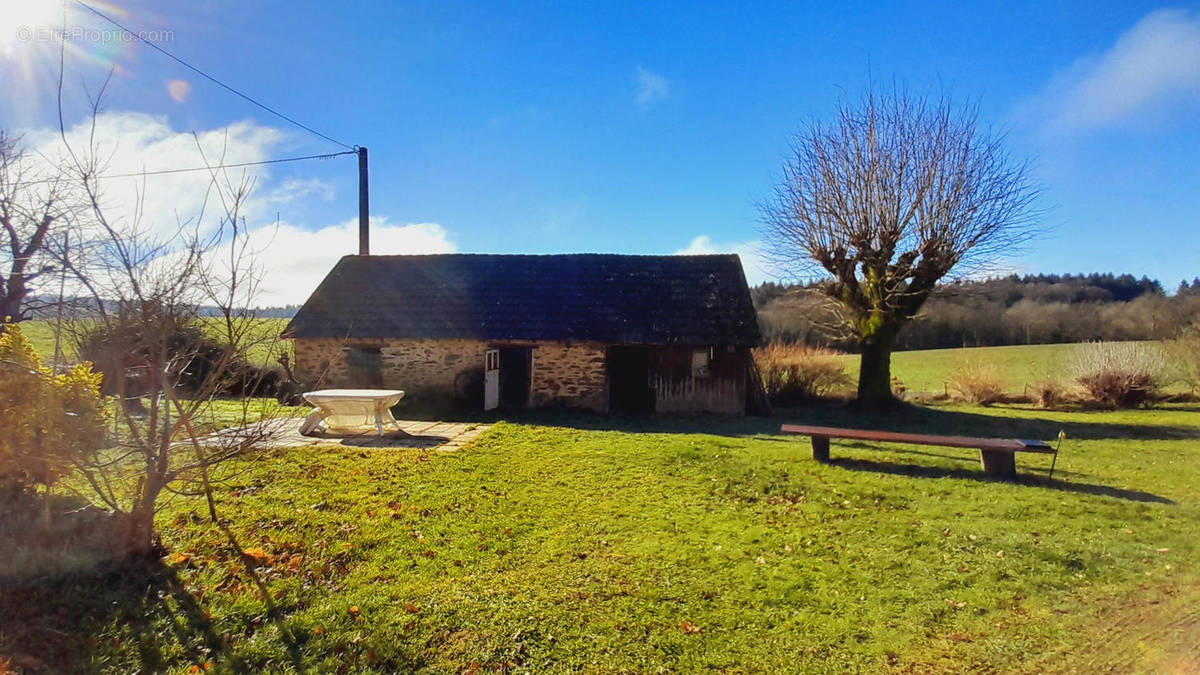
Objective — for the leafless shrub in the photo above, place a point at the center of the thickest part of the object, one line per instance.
(794, 373)
(1119, 374)
(147, 283)
(977, 384)
(1049, 393)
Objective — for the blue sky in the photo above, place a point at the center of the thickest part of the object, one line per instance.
(562, 127)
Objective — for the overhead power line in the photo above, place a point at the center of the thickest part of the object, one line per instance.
(208, 77)
(214, 167)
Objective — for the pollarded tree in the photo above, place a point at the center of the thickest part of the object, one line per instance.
(885, 201)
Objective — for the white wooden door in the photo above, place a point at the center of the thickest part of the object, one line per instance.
(491, 379)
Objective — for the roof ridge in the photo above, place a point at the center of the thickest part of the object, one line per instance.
(542, 255)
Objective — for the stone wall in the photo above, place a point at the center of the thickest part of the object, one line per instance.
(411, 365)
(564, 374)
(571, 374)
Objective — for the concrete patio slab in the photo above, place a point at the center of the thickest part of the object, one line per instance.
(420, 434)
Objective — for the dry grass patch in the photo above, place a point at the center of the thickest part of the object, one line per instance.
(1119, 374)
(976, 383)
(795, 373)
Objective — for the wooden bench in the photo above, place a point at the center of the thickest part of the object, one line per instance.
(997, 455)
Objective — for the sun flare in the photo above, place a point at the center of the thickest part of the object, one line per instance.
(24, 21)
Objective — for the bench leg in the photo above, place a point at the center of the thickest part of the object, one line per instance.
(999, 463)
(820, 446)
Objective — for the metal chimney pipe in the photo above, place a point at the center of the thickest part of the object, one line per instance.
(364, 208)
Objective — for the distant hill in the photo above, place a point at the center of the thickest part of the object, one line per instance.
(46, 307)
(1016, 309)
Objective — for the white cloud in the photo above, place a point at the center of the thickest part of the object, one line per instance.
(750, 252)
(1152, 67)
(651, 86)
(131, 142)
(294, 260)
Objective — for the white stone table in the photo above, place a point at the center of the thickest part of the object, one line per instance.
(351, 411)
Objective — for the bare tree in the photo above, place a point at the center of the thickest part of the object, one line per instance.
(35, 206)
(154, 287)
(883, 202)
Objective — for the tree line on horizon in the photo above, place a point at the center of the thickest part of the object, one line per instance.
(1009, 310)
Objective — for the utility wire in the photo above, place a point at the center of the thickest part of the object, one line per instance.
(205, 75)
(197, 168)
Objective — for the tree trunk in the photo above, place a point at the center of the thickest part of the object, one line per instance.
(11, 299)
(875, 371)
(141, 536)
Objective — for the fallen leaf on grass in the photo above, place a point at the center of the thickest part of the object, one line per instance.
(257, 555)
(411, 608)
(178, 558)
(688, 628)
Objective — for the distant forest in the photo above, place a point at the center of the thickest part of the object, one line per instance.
(1012, 310)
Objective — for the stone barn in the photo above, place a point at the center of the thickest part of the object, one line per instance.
(610, 333)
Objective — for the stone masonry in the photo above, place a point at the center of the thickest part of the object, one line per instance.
(564, 374)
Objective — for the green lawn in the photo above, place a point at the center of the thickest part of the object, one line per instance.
(677, 545)
(930, 370)
(263, 345)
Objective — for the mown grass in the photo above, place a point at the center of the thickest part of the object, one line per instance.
(564, 544)
(930, 371)
(263, 344)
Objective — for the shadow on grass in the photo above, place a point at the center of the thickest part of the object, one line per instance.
(910, 418)
(935, 420)
(273, 613)
(907, 418)
(926, 471)
(70, 605)
(52, 617)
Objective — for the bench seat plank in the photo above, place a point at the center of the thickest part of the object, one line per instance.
(991, 444)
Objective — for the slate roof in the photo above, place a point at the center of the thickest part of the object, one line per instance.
(617, 299)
